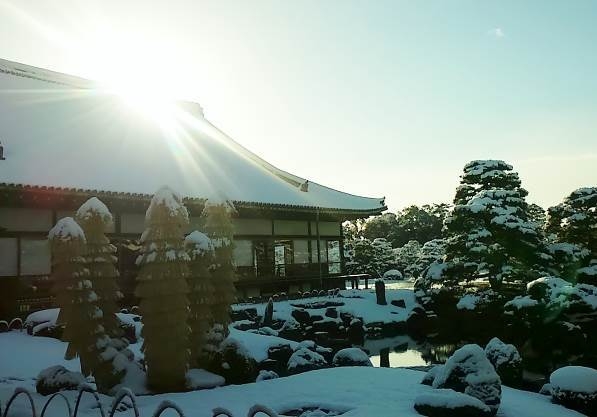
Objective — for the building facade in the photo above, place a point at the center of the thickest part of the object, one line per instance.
(63, 140)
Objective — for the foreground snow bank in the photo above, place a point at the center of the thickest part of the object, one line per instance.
(355, 391)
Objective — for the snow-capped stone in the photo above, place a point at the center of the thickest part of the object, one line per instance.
(468, 302)
(469, 371)
(303, 360)
(201, 379)
(351, 357)
(58, 378)
(506, 360)
(66, 229)
(265, 375)
(449, 403)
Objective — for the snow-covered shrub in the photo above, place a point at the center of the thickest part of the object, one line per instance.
(219, 228)
(3, 326)
(201, 293)
(469, 371)
(431, 251)
(351, 357)
(303, 360)
(392, 274)
(574, 221)
(449, 403)
(506, 360)
(407, 258)
(79, 311)
(370, 256)
(162, 288)
(557, 294)
(238, 367)
(575, 387)
(265, 375)
(94, 218)
(57, 378)
(431, 374)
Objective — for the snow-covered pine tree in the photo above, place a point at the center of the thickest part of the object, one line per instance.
(162, 288)
(94, 218)
(79, 312)
(574, 225)
(431, 251)
(372, 257)
(201, 293)
(218, 227)
(489, 231)
(407, 257)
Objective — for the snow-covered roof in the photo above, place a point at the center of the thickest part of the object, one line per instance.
(63, 131)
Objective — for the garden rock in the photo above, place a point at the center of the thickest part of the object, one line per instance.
(449, 403)
(351, 357)
(58, 378)
(304, 360)
(506, 360)
(469, 371)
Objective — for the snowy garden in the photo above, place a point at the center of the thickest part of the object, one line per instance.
(502, 295)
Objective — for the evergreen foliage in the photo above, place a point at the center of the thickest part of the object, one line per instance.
(574, 222)
(94, 218)
(162, 288)
(218, 227)
(489, 232)
(420, 223)
(79, 312)
(201, 293)
(407, 257)
(432, 251)
(370, 257)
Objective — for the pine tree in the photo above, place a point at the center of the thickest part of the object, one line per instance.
(574, 225)
(431, 251)
(407, 257)
(219, 228)
(369, 257)
(94, 218)
(489, 232)
(79, 312)
(162, 289)
(201, 293)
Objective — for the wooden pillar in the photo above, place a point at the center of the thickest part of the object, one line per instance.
(318, 249)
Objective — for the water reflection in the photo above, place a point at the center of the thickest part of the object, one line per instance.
(401, 351)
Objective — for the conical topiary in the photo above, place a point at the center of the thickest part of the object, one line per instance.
(201, 293)
(94, 217)
(219, 228)
(79, 312)
(162, 289)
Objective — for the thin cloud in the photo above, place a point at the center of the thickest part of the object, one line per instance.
(496, 33)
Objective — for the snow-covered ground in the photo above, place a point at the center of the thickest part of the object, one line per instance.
(358, 303)
(356, 391)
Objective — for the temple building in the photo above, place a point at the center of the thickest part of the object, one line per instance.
(64, 139)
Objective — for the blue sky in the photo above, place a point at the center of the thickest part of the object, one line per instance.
(372, 97)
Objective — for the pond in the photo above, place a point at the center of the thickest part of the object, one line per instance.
(404, 351)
